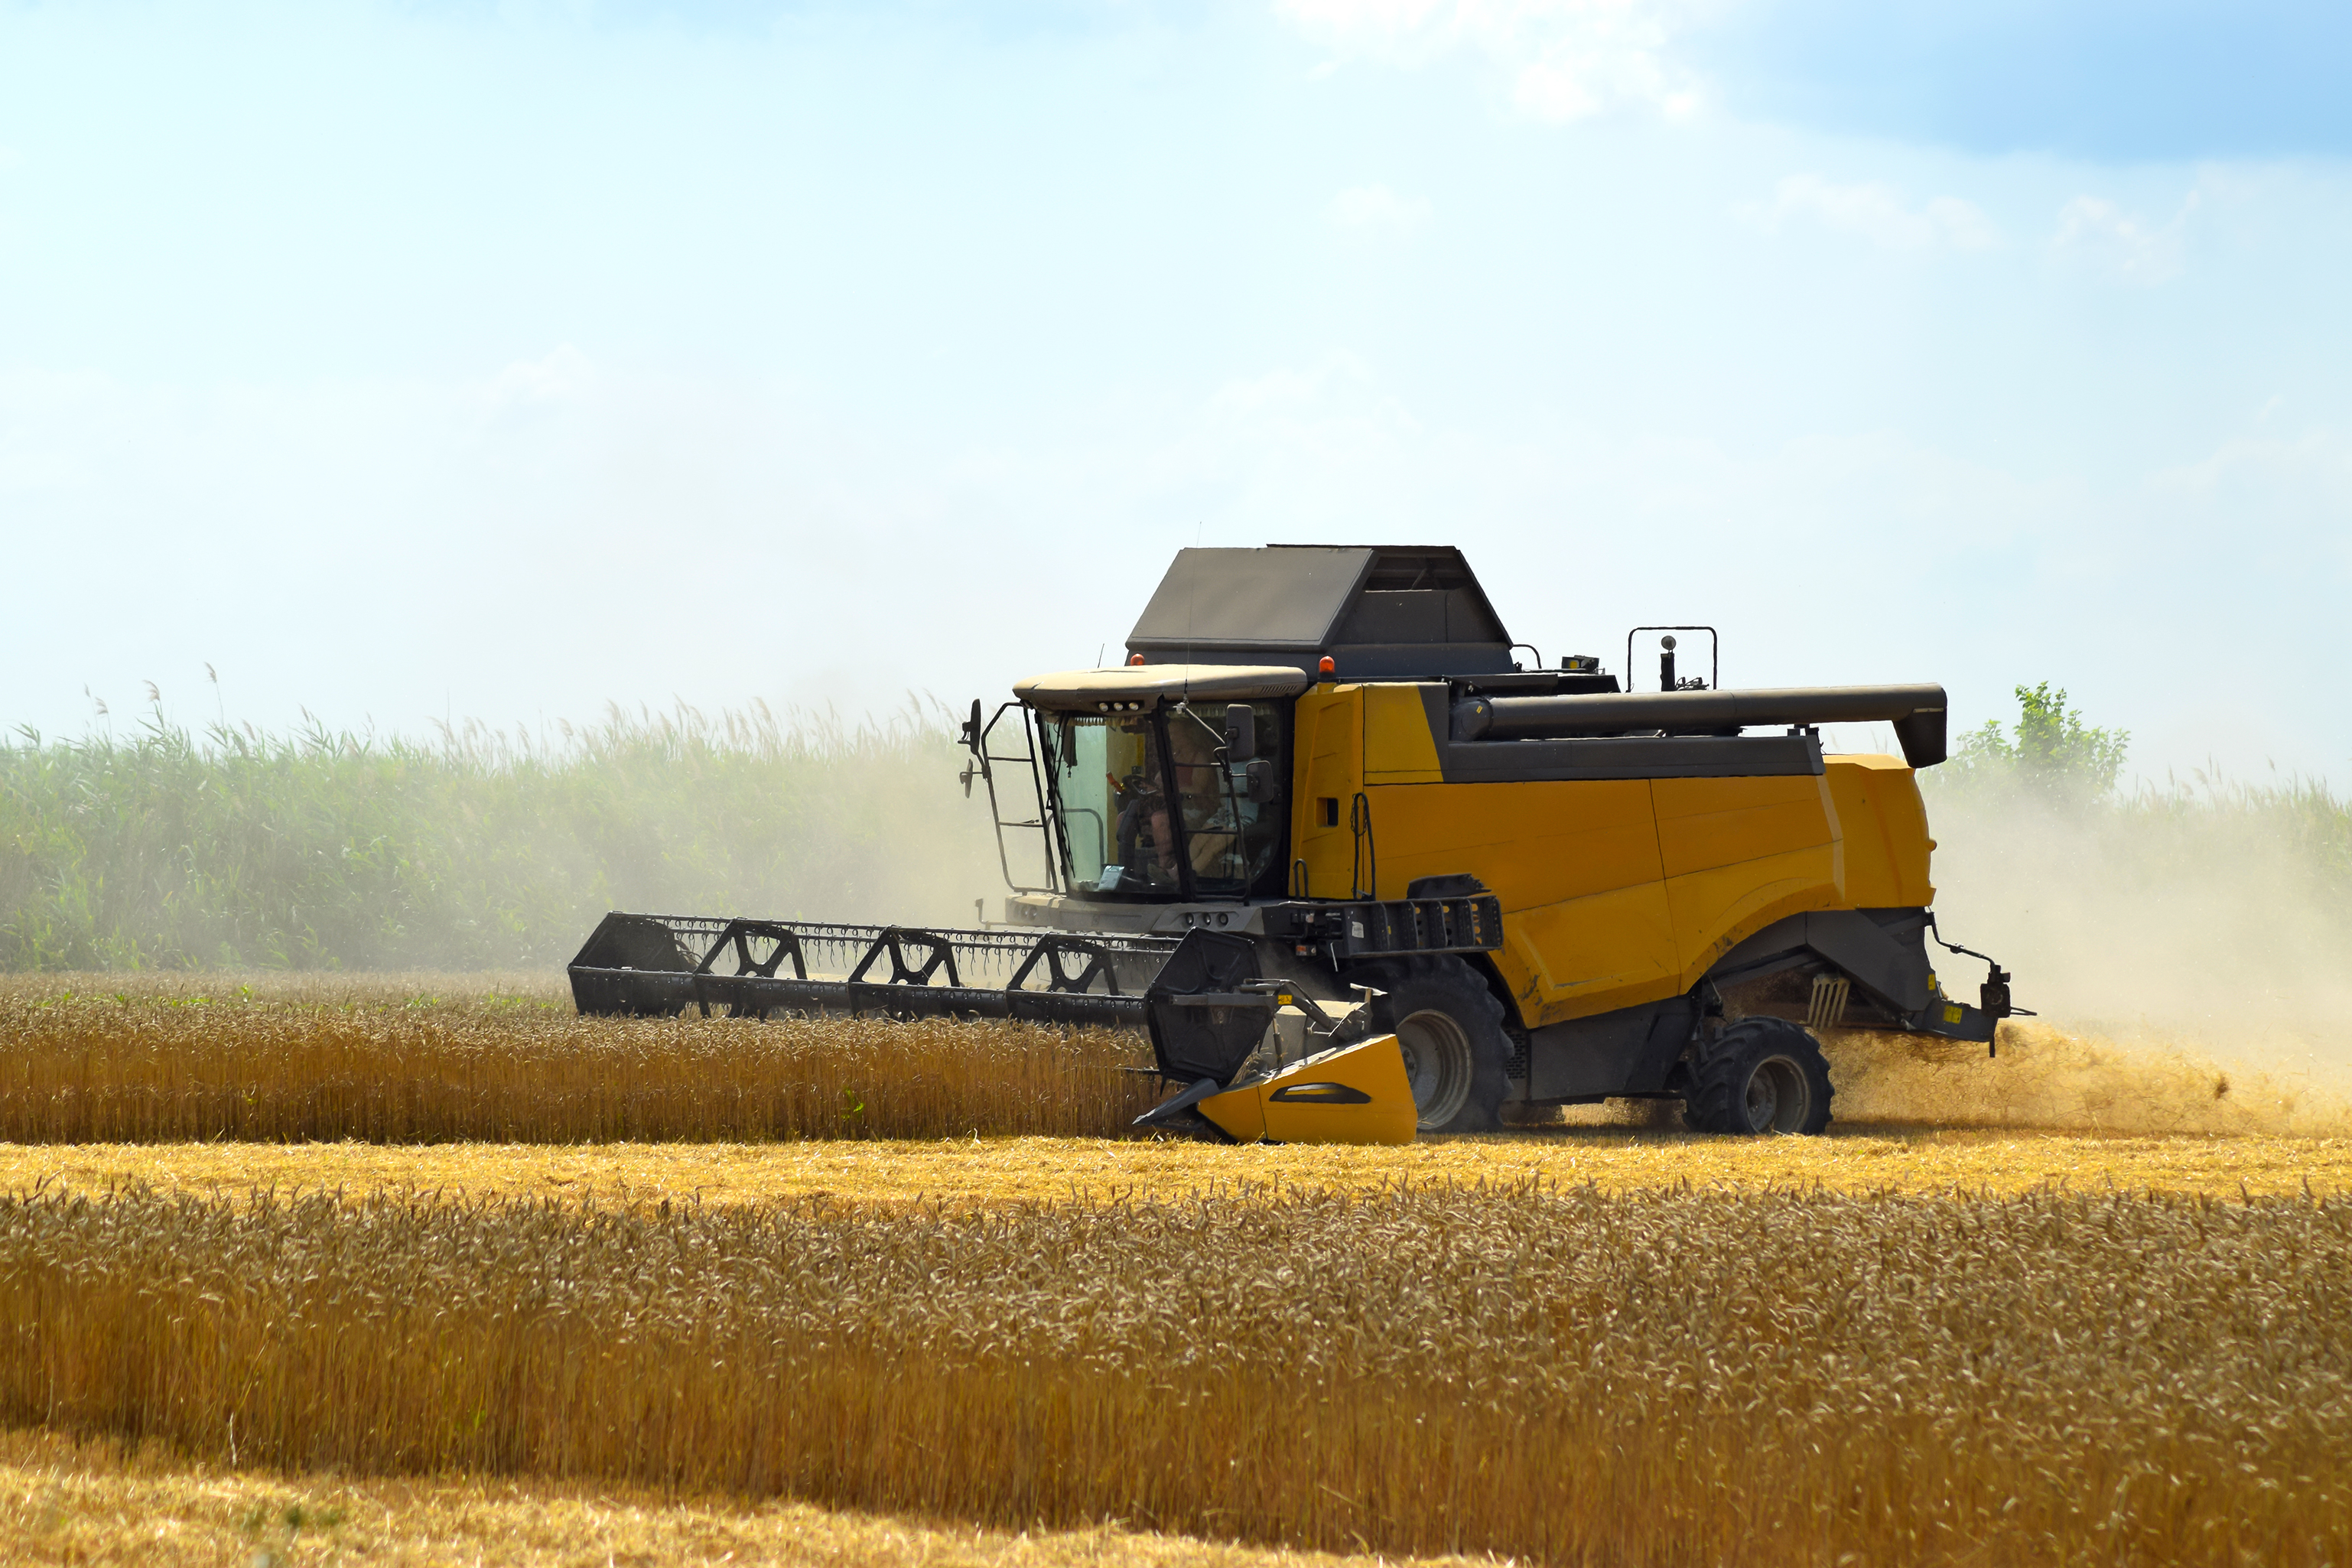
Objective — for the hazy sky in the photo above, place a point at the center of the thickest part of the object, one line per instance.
(404, 360)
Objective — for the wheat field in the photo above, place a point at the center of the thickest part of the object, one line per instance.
(966, 1173)
(421, 1062)
(430, 1058)
(435, 1247)
(1570, 1376)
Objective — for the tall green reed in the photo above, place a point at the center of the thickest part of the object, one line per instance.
(478, 848)
(317, 849)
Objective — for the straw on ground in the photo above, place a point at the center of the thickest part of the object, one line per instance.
(965, 1173)
(95, 1504)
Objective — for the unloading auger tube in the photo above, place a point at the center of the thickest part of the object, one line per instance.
(1915, 713)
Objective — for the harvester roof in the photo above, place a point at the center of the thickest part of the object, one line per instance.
(1143, 685)
(1375, 610)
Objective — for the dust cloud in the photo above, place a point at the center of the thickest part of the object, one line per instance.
(2047, 1076)
(2190, 958)
(2044, 1077)
(2166, 926)
(872, 827)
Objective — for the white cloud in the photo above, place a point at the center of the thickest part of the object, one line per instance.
(1569, 59)
(2099, 234)
(1377, 207)
(530, 387)
(411, 542)
(2287, 498)
(1878, 213)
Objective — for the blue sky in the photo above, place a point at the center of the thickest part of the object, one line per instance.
(404, 360)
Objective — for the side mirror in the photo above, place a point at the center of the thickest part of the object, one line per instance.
(1259, 783)
(978, 766)
(1240, 732)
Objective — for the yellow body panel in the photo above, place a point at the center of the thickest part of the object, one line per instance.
(1240, 1111)
(1330, 751)
(1886, 842)
(1740, 854)
(1588, 955)
(1575, 865)
(1357, 1094)
(1614, 892)
(1398, 745)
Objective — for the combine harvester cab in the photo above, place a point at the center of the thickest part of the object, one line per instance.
(1560, 891)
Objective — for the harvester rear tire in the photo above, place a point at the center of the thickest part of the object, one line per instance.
(1450, 1027)
(1760, 1076)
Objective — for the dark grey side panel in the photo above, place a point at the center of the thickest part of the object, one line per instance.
(1883, 951)
(1420, 616)
(1378, 611)
(1252, 598)
(1616, 757)
(1665, 757)
(1626, 1052)
(1631, 1051)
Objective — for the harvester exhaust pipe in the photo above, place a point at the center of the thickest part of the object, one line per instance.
(1917, 713)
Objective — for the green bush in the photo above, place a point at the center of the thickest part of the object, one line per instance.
(2050, 752)
(2050, 765)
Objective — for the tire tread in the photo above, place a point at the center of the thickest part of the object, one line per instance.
(1715, 1102)
(1466, 994)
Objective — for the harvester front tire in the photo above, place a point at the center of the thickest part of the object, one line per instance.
(1450, 1028)
(1760, 1076)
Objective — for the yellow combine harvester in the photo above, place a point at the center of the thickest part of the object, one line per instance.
(1322, 774)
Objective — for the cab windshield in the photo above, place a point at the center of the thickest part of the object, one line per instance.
(1114, 778)
(1110, 799)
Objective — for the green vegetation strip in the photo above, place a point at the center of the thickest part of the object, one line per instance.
(322, 850)
(234, 849)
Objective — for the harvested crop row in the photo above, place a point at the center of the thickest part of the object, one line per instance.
(99, 1503)
(143, 1069)
(1694, 1377)
(415, 1059)
(966, 1173)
